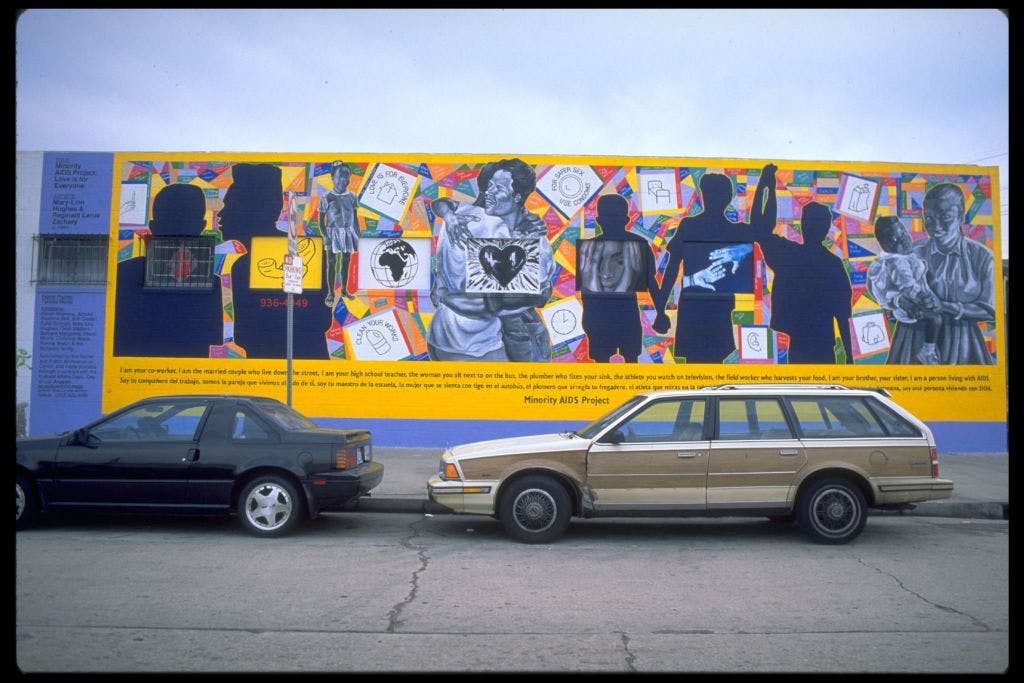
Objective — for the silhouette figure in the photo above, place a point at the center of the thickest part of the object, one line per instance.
(611, 269)
(812, 289)
(252, 205)
(715, 253)
(172, 321)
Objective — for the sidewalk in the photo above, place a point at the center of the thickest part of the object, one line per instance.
(981, 485)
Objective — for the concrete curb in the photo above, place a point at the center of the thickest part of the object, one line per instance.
(957, 509)
(962, 509)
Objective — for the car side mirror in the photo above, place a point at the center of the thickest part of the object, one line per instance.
(614, 437)
(81, 438)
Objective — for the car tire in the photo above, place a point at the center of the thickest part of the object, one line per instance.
(535, 509)
(832, 511)
(26, 503)
(269, 505)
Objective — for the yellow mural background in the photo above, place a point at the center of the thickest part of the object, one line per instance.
(536, 391)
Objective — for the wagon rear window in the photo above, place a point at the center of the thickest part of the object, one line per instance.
(832, 417)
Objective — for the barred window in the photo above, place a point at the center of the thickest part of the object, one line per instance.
(72, 260)
(179, 262)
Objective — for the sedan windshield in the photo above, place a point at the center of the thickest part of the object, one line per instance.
(598, 426)
(284, 416)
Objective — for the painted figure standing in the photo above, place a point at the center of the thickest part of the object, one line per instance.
(961, 274)
(340, 228)
(715, 253)
(611, 269)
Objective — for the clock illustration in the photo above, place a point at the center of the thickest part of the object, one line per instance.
(563, 321)
(570, 186)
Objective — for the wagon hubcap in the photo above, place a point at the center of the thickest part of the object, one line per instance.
(534, 510)
(268, 507)
(835, 511)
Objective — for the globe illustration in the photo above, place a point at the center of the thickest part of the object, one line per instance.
(394, 263)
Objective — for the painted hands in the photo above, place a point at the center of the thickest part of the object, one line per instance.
(535, 226)
(661, 323)
(706, 278)
(733, 255)
(456, 224)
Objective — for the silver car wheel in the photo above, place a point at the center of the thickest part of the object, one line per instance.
(268, 506)
(534, 510)
(834, 512)
(20, 501)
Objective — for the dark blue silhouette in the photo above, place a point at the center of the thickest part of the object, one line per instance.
(716, 255)
(611, 269)
(252, 205)
(811, 291)
(168, 321)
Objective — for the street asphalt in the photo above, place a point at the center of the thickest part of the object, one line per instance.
(980, 485)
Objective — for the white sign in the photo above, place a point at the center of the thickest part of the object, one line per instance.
(870, 334)
(134, 203)
(754, 343)
(394, 263)
(293, 268)
(564, 320)
(568, 188)
(658, 191)
(857, 197)
(389, 191)
(377, 337)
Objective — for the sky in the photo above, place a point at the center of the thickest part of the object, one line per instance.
(917, 86)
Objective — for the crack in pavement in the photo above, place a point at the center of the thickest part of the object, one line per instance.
(421, 552)
(945, 608)
(630, 657)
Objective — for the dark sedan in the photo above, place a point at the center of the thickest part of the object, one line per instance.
(249, 455)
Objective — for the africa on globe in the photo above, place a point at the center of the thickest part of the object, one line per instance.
(394, 263)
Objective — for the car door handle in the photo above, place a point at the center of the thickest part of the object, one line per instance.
(688, 454)
(193, 455)
(789, 451)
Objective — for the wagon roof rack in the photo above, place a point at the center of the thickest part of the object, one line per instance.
(833, 387)
(773, 385)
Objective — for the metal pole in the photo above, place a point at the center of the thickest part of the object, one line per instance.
(291, 302)
(293, 230)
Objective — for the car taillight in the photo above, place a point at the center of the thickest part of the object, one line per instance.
(345, 458)
(935, 463)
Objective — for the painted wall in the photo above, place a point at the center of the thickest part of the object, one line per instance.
(29, 167)
(451, 298)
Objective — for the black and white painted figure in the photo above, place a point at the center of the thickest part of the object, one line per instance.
(339, 224)
(897, 279)
(961, 274)
(502, 325)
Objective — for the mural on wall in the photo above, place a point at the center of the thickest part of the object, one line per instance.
(519, 261)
